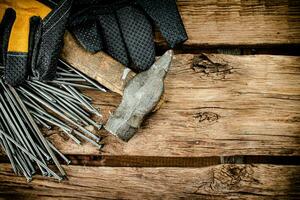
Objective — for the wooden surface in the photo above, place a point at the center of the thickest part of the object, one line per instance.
(238, 22)
(215, 182)
(214, 105)
(217, 109)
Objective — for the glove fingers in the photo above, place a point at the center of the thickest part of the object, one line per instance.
(6, 24)
(114, 44)
(88, 36)
(15, 63)
(138, 36)
(51, 38)
(35, 23)
(16, 68)
(166, 16)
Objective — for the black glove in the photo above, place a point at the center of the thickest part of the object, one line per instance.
(31, 34)
(123, 28)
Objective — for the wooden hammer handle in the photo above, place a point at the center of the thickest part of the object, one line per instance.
(98, 66)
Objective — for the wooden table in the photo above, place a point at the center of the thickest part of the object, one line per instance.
(229, 127)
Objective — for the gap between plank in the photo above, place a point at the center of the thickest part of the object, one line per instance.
(154, 161)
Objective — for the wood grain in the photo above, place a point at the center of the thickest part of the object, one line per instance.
(216, 182)
(214, 105)
(98, 66)
(237, 22)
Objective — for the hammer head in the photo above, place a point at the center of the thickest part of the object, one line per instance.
(141, 95)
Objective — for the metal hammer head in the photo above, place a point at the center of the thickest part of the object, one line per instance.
(141, 95)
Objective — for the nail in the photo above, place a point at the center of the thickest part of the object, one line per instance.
(84, 76)
(70, 79)
(59, 107)
(11, 122)
(28, 137)
(88, 139)
(48, 158)
(23, 128)
(30, 155)
(68, 74)
(63, 70)
(53, 89)
(77, 85)
(37, 131)
(41, 93)
(59, 153)
(55, 123)
(65, 129)
(31, 101)
(23, 169)
(72, 137)
(69, 111)
(49, 118)
(84, 102)
(24, 161)
(85, 118)
(78, 108)
(43, 123)
(49, 106)
(8, 152)
(5, 124)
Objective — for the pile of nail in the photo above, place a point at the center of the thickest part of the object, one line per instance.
(34, 106)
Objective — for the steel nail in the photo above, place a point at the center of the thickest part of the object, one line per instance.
(85, 118)
(71, 84)
(65, 129)
(37, 131)
(11, 122)
(41, 93)
(84, 102)
(70, 79)
(63, 70)
(53, 122)
(59, 153)
(30, 155)
(23, 169)
(8, 152)
(43, 123)
(56, 91)
(15, 105)
(83, 76)
(88, 139)
(68, 74)
(78, 108)
(59, 113)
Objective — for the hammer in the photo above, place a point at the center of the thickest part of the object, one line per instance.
(141, 92)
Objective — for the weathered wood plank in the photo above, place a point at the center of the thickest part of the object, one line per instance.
(236, 22)
(215, 105)
(216, 182)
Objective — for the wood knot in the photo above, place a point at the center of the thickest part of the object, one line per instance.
(228, 178)
(207, 116)
(211, 66)
(294, 119)
(232, 176)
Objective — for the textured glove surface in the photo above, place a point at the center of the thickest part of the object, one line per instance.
(31, 34)
(124, 30)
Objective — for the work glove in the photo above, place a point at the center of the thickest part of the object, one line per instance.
(124, 28)
(31, 35)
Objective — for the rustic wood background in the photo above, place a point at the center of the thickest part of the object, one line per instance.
(229, 127)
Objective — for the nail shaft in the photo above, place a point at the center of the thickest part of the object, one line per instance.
(83, 76)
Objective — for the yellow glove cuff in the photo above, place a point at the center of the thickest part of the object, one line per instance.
(25, 9)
